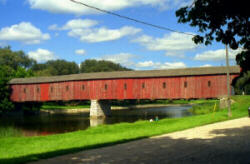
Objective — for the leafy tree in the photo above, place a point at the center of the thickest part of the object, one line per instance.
(225, 21)
(22, 73)
(6, 73)
(55, 67)
(15, 59)
(242, 83)
(92, 65)
(13, 64)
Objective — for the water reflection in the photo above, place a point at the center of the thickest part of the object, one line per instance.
(61, 123)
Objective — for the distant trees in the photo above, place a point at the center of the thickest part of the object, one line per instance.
(55, 67)
(100, 66)
(62, 67)
(15, 59)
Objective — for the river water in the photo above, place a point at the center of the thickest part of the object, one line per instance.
(61, 123)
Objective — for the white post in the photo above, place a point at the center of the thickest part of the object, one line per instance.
(228, 85)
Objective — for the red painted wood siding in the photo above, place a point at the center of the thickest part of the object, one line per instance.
(144, 88)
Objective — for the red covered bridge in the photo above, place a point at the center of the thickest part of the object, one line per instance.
(188, 83)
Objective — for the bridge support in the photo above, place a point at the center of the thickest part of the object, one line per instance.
(100, 108)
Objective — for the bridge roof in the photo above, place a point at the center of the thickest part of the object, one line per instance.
(128, 74)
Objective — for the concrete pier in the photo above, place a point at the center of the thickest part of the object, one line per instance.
(100, 108)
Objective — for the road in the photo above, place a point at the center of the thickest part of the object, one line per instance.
(224, 142)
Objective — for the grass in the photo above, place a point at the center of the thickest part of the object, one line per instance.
(205, 107)
(24, 149)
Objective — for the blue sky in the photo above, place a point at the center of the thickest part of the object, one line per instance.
(59, 29)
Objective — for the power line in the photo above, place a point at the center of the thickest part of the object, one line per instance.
(131, 19)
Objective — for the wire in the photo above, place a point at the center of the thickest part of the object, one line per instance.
(131, 19)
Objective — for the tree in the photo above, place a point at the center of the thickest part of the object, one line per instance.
(6, 73)
(13, 64)
(55, 67)
(92, 65)
(15, 59)
(225, 21)
(242, 83)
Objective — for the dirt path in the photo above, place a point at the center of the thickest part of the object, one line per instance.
(224, 142)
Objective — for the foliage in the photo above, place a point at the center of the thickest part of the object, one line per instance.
(15, 59)
(6, 73)
(225, 21)
(13, 64)
(13, 151)
(55, 67)
(100, 66)
(242, 83)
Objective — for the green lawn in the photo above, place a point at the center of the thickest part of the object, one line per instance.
(24, 149)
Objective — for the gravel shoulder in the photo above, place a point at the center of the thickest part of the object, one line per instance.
(223, 142)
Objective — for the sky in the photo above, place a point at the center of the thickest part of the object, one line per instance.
(60, 29)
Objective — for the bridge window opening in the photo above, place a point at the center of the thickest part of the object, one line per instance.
(143, 85)
(83, 87)
(37, 90)
(67, 88)
(105, 86)
(51, 89)
(185, 84)
(209, 83)
(125, 86)
(164, 85)
(24, 90)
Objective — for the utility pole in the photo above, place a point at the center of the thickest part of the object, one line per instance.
(228, 85)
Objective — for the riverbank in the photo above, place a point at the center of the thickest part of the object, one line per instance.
(24, 149)
(58, 109)
(86, 110)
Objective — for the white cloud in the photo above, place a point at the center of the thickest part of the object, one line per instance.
(172, 65)
(80, 52)
(145, 64)
(207, 65)
(66, 6)
(42, 55)
(81, 28)
(173, 43)
(53, 27)
(216, 55)
(24, 32)
(124, 59)
(158, 65)
(102, 34)
(75, 24)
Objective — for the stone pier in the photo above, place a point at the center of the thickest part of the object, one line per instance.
(100, 108)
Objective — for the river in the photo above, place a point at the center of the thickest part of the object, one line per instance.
(61, 123)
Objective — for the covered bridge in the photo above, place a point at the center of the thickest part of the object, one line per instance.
(187, 83)
(204, 82)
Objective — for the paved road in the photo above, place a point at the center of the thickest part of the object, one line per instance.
(224, 142)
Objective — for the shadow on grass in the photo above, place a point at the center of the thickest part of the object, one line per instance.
(36, 157)
(228, 146)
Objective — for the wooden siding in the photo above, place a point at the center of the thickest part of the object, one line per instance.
(134, 88)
